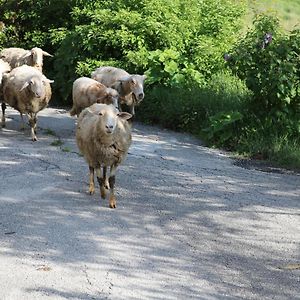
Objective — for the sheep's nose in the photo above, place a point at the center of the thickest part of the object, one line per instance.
(109, 128)
(141, 96)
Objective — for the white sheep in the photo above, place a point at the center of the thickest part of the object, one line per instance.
(129, 86)
(27, 90)
(4, 68)
(17, 57)
(87, 91)
(103, 136)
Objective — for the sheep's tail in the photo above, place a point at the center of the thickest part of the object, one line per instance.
(73, 111)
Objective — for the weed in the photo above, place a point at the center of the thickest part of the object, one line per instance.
(57, 143)
(66, 149)
(50, 132)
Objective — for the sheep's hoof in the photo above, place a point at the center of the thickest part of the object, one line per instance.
(103, 192)
(112, 202)
(34, 139)
(91, 190)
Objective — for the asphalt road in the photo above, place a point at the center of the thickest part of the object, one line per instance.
(189, 222)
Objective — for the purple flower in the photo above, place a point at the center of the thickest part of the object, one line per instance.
(227, 57)
(267, 40)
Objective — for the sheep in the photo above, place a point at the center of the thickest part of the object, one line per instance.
(87, 91)
(4, 68)
(27, 90)
(17, 57)
(103, 136)
(129, 86)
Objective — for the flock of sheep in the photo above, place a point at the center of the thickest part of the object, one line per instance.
(103, 131)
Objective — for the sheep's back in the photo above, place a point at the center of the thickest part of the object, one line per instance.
(12, 55)
(109, 75)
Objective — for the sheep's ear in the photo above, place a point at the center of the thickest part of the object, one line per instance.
(124, 115)
(47, 80)
(144, 77)
(25, 85)
(47, 54)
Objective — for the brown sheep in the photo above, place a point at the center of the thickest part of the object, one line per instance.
(87, 91)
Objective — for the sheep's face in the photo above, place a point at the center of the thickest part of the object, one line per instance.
(136, 83)
(37, 57)
(108, 117)
(37, 86)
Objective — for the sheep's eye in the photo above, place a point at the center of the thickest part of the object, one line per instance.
(132, 81)
(100, 114)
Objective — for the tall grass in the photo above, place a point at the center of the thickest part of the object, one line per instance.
(189, 108)
(288, 11)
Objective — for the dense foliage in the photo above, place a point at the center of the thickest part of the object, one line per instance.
(174, 41)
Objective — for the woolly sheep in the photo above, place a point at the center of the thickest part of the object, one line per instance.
(87, 91)
(17, 57)
(103, 136)
(129, 86)
(27, 90)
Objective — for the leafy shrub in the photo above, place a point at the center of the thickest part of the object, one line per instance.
(268, 60)
(164, 38)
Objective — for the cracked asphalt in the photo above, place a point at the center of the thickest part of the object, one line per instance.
(189, 222)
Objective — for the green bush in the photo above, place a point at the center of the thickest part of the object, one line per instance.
(165, 39)
(268, 61)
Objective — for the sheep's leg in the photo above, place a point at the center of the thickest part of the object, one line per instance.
(111, 180)
(32, 123)
(3, 106)
(103, 182)
(22, 127)
(92, 184)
